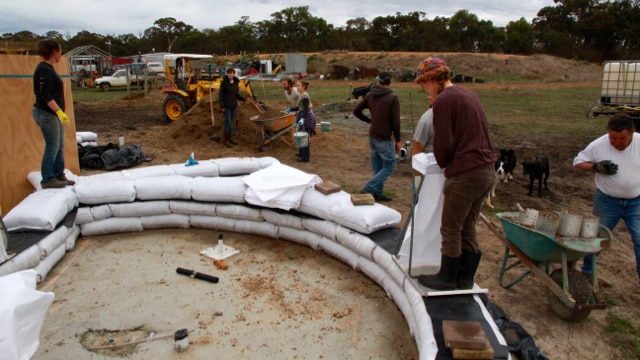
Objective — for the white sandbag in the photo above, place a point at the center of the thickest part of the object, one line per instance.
(70, 242)
(205, 168)
(278, 186)
(365, 219)
(42, 210)
(279, 219)
(52, 241)
(321, 227)
(339, 252)
(165, 221)
(233, 166)
(26, 259)
(35, 179)
(423, 334)
(192, 208)
(400, 299)
(111, 226)
(212, 222)
(90, 143)
(86, 136)
(78, 139)
(358, 243)
(267, 161)
(300, 237)
(101, 212)
(22, 313)
(315, 203)
(105, 176)
(372, 270)
(239, 212)
(104, 190)
(163, 187)
(256, 228)
(148, 171)
(218, 189)
(84, 215)
(140, 208)
(44, 266)
(386, 262)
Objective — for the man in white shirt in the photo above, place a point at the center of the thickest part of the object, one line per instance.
(615, 160)
(290, 92)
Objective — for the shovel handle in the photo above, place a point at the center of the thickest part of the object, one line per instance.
(197, 275)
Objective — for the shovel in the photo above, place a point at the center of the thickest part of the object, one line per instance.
(213, 137)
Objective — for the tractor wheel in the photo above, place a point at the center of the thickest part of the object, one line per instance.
(105, 86)
(579, 288)
(174, 107)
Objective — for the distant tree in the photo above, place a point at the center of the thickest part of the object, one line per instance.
(519, 38)
(169, 29)
(463, 28)
(21, 36)
(490, 39)
(298, 30)
(85, 38)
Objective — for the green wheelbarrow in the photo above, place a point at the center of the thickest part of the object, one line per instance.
(571, 294)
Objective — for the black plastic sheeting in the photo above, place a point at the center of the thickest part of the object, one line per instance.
(465, 308)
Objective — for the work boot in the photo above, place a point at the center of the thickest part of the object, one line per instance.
(231, 140)
(64, 178)
(227, 140)
(54, 184)
(446, 278)
(469, 262)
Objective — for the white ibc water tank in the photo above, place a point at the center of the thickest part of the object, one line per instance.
(621, 83)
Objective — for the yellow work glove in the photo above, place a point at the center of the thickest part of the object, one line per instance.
(64, 119)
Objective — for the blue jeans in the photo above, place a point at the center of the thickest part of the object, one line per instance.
(228, 118)
(383, 164)
(611, 210)
(53, 132)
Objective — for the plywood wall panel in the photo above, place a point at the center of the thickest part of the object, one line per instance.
(21, 142)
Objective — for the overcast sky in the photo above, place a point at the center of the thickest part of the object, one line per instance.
(118, 17)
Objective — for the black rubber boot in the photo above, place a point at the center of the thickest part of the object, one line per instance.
(446, 278)
(469, 262)
(226, 141)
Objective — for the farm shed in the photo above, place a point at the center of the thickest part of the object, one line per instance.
(88, 58)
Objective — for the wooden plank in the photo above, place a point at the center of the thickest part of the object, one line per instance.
(21, 142)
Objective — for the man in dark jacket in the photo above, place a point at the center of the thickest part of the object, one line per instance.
(384, 133)
(228, 99)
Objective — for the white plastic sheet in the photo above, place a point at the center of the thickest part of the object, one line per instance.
(22, 311)
(278, 186)
(427, 240)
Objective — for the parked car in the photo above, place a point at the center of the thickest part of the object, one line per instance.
(119, 79)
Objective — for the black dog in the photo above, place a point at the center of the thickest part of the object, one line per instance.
(535, 169)
(509, 163)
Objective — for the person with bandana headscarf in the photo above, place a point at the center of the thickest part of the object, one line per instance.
(462, 147)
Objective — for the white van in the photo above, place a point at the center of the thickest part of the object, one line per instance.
(155, 68)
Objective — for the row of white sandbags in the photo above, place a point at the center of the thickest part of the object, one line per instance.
(350, 247)
(43, 255)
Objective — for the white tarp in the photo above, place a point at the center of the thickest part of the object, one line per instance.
(22, 311)
(427, 212)
(278, 186)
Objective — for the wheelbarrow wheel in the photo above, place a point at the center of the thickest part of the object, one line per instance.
(266, 143)
(580, 289)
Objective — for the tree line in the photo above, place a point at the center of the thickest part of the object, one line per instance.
(589, 30)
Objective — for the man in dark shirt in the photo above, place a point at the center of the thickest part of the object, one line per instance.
(384, 133)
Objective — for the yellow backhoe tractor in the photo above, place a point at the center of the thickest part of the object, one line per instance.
(187, 88)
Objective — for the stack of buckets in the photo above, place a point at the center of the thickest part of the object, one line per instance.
(565, 224)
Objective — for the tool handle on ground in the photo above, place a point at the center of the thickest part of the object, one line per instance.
(197, 275)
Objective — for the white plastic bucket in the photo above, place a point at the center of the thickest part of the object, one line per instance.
(301, 139)
(569, 225)
(590, 227)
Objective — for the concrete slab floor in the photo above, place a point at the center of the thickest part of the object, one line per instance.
(277, 300)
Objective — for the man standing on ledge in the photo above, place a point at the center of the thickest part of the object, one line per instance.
(384, 133)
